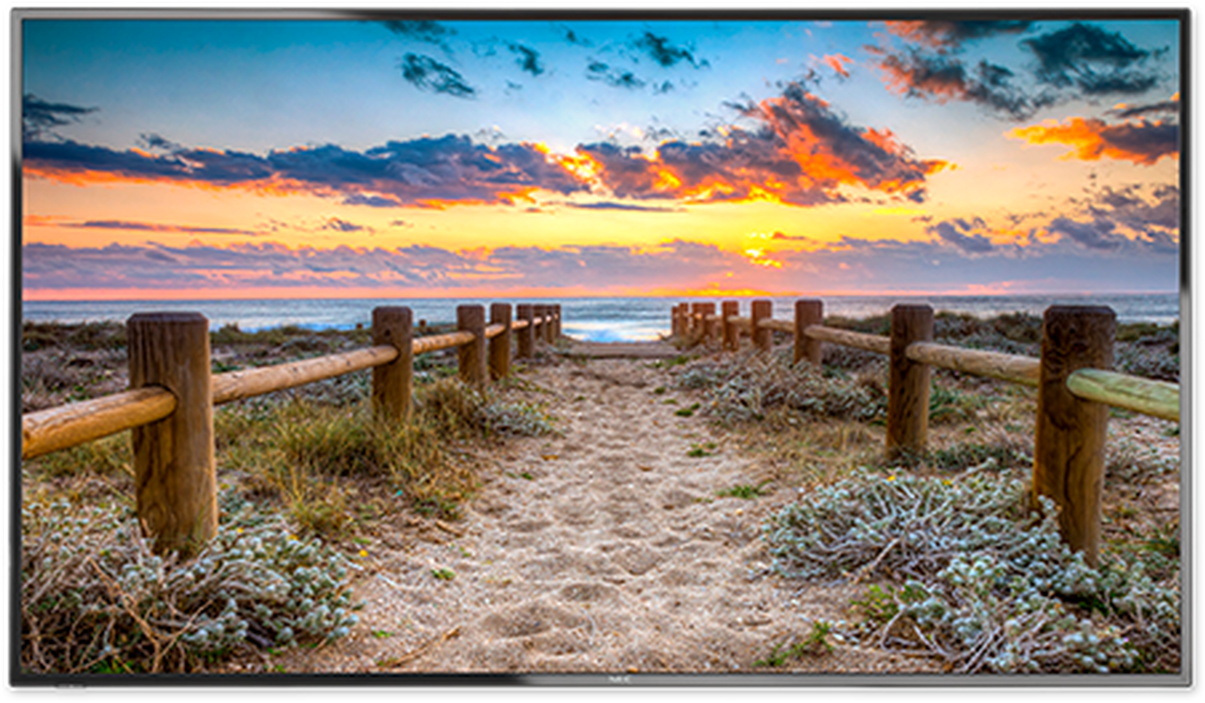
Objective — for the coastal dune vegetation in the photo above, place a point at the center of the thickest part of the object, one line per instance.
(952, 560)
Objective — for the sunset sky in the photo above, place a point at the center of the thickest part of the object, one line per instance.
(258, 159)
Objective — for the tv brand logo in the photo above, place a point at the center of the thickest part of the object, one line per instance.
(624, 678)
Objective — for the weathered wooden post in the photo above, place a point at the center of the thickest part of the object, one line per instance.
(688, 323)
(1069, 443)
(762, 336)
(556, 324)
(808, 312)
(500, 344)
(527, 335)
(732, 335)
(540, 311)
(709, 326)
(471, 356)
(393, 383)
(908, 383)
(175, 479)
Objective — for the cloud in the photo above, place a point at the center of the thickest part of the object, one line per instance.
(573, 37)
(800, 153)
(39, 118)
(428, 74)
(155, 227)
(427, 171)
(616, 78)
(1141, 142)
(957, 233)
(627, 207)
(1088, 57)
(665, 54)
(838, 63)
(952, 34)
(529, 59)
(427, 31)
(371, 200)
(1167, 107)
(335, 224)
(941, 78)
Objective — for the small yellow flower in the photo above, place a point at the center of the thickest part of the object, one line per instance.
(891, 477)
(363, 552)
(947, 482)
(239, 531)
(292, 538)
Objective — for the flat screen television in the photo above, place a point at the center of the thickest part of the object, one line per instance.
(647, 348)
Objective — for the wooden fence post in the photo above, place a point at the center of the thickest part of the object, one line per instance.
(1069, 446)
(539, 310)
(808, 312)
(709, 326)
(500, 344)
(762, 337)
(688, 323)
(471, 357)
(556, 325)
(175, 479)
(908, 384)
(393, 383)
(732, 335)
(527, 335)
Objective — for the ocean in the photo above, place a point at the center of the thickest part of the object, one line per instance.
(589, 319)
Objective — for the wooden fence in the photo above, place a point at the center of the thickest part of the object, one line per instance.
(169, 406)
(1075, 387)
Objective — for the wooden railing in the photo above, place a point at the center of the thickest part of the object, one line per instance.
(1075, 387)
(169, 407)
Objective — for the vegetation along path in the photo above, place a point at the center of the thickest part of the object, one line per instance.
(608, 547)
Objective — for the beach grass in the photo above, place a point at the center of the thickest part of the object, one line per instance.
(317, 465)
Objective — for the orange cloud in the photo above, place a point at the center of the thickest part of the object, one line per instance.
(838, 62)
(1141, 142)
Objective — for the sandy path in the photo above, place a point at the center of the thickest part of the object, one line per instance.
(603, 549)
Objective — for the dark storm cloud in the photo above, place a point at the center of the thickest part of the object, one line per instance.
(1088, 57)
(428, 74)
(39, 118)
(664, 53)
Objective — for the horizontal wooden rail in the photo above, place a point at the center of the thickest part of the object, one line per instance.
(494, 330)
(248, 383)
(66, 426)
(442, 341)
(1157, 398)
(1006, 367)
(780, 325)
(858, 340)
